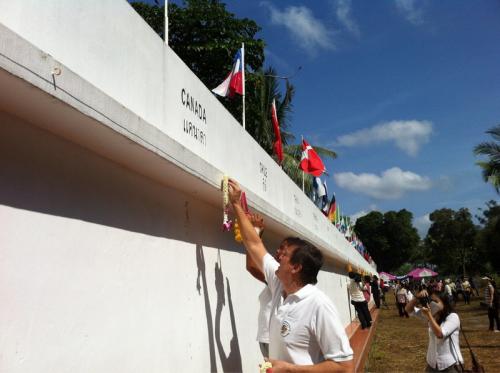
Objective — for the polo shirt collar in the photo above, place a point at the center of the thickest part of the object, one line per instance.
(304, 292)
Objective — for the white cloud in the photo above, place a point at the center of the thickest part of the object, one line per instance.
(422, 224)
(408, 135)
(309, 32)
(343, 12)
(391, 184)
(358, 215)
(410, 11)
(362, 213)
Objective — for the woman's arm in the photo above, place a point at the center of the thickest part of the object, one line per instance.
(410, 306)
(436, 329)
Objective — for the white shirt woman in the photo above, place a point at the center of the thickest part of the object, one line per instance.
(443, 350)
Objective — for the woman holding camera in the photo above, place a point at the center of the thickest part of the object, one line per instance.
(443, 352)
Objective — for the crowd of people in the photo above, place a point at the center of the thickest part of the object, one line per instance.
(433, 301)
(462, 289)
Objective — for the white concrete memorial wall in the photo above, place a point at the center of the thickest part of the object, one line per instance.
(111, 253)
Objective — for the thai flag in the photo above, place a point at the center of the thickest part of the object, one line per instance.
(234, 83)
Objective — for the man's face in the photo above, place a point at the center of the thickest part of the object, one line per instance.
(280, 251)
(286, 270)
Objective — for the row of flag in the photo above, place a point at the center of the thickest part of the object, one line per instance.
(331, 209)
(235, 84)
(310, 161)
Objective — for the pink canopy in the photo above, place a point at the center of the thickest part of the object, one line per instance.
(386, 276)
(422, 272)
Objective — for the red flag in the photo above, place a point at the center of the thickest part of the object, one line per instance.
(310, 162)
(278, 146)
(235, 80)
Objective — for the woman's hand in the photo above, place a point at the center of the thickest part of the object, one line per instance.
(422, 294)
(427, 312)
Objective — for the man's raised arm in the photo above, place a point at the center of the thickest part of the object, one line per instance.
(251, 239)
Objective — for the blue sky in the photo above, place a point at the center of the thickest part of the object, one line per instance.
(401, 89)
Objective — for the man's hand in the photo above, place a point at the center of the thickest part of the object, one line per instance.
(251, 239)
(257, 222)
(234, 191)
(280, 366)
(329, 366)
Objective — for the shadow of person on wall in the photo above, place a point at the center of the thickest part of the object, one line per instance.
(200, 262)
(231, 362)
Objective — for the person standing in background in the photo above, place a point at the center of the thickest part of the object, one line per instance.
(466, 289)
(375, 291)
(402, 299)
(491, 299)
(367, 292)
(358, 300)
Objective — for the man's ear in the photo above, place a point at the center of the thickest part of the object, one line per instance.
(296, 268)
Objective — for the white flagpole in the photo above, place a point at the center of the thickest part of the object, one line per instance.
(302, 137)
(243, 76)
(165, 33)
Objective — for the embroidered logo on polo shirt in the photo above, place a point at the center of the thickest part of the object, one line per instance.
(285, 328)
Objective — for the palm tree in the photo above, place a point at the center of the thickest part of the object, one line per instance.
(491, 167)
(263, 87)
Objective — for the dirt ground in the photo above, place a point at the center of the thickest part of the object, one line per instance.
(400, 344)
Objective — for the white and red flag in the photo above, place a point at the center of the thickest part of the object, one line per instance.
(234, 83)
(310, 162)
(278, 145)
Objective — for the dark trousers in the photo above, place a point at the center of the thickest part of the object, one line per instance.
(363, 313)
(376, 299)
(401, 309)
(467, 297)
(493, 316)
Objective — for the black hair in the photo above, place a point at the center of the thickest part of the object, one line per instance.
(447, 306)
(308, 256)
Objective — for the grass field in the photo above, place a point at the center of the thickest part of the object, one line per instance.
(400, 344)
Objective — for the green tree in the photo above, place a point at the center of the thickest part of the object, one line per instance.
(401, 235)
(370, 229)
(262, 88)
(488, 238)
(390, 238)
(451, 240)
(491, 167)
(206, 37)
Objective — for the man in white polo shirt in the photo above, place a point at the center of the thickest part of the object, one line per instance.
(306, 334)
